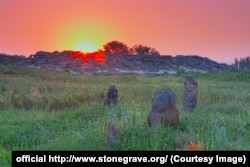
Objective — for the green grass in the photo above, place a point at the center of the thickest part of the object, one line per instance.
(45, 110)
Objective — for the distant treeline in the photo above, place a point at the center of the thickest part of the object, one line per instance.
(10, 59)
(118, 47)
(242, 63)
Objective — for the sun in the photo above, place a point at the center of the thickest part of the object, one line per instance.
(85, 46)
(81, 35)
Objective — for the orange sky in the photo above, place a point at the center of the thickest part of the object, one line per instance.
(217, 29)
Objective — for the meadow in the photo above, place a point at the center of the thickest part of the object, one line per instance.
(48, 110)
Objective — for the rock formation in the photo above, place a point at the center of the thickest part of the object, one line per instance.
(112, 96)
(78, 62)
(10, 59)
(163, 109)
(190, 94)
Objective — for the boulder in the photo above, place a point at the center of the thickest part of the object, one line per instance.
(163, 109)
(163, 99)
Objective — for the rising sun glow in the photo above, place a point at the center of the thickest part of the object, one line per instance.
(84, 36)
(85, 46)
(98, 56)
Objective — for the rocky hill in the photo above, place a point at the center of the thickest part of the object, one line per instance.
(77, 62)
(10, 59)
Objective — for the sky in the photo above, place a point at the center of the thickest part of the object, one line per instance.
(217, 29)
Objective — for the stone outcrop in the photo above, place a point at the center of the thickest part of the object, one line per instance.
(10, 59)
(163, 109)
(77, 63)
(190, 94)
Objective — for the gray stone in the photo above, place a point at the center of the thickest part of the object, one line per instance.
(163, 98)
(179, 60)
(163, 109)
(190, 94)
(112, 96)
(194, 61)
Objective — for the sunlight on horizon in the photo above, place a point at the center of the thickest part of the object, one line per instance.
(85, 36)
(86, 47)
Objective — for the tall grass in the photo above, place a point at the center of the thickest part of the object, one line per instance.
(46, 110)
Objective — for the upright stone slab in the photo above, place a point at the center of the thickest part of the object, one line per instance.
(112, 96)
(163, 109)
(111, 135)
(190, 94)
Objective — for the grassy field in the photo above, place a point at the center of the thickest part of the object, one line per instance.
(46, 110)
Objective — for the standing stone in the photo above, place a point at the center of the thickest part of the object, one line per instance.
(111, 135)
(190, 94)
(112, 96)
(163, 109)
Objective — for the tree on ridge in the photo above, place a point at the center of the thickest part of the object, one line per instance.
(116, 47)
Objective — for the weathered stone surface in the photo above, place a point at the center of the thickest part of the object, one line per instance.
(10, 59)
(190, 94)
(163, 99)
(163, 109)
(194, 61)
(121, 63)
(112, 96)
(178, 60)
